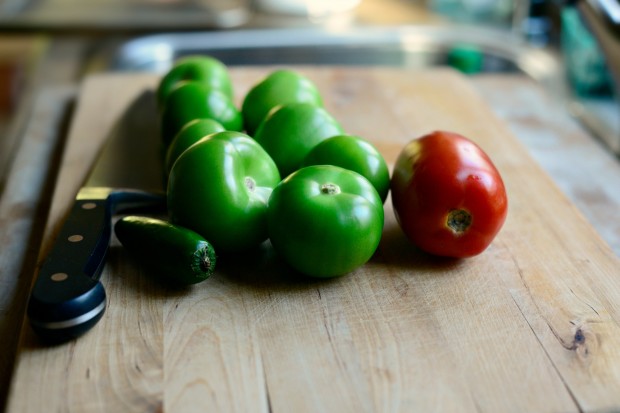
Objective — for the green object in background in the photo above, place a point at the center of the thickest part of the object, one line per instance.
(466, 58)
(585, 63)
(487, 12)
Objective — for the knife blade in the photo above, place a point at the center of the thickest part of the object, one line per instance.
(67, 297)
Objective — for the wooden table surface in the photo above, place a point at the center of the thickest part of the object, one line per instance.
(530, 325)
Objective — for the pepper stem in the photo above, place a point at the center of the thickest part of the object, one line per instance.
(458, 221)
(205, 262)
(330, 189)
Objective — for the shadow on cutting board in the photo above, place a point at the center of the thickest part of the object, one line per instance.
(397, 252)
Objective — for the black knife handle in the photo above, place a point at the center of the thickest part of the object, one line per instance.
(67, 298)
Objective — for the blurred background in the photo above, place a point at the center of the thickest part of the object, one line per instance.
(566, 46)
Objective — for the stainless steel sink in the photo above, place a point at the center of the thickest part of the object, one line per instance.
(501, 51)
(412, 46)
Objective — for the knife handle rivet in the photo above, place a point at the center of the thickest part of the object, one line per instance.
(75, 238)
(89, 205)
(59, 276)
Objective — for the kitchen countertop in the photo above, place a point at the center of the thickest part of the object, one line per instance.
(551, 138)
(583, 169)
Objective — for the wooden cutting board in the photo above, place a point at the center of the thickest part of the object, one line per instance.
(531, 325)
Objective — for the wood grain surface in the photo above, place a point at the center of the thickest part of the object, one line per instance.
(582, 166)
(532, 324)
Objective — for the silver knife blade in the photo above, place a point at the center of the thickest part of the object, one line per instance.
(67, 298)
(132, 156)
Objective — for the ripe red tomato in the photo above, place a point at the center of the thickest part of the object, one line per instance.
(448, 197)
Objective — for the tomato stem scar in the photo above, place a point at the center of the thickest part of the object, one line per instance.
(250, 183)
(458, 221)
(330, 189)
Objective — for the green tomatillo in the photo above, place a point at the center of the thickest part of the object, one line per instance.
(278, 88)
(189, 134)
(354, 153)
(194, 100)
(200, 68)
(325, 221)
(220, 187)
(292, 130)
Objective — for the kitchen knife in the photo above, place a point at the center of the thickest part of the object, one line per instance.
(67, 298)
